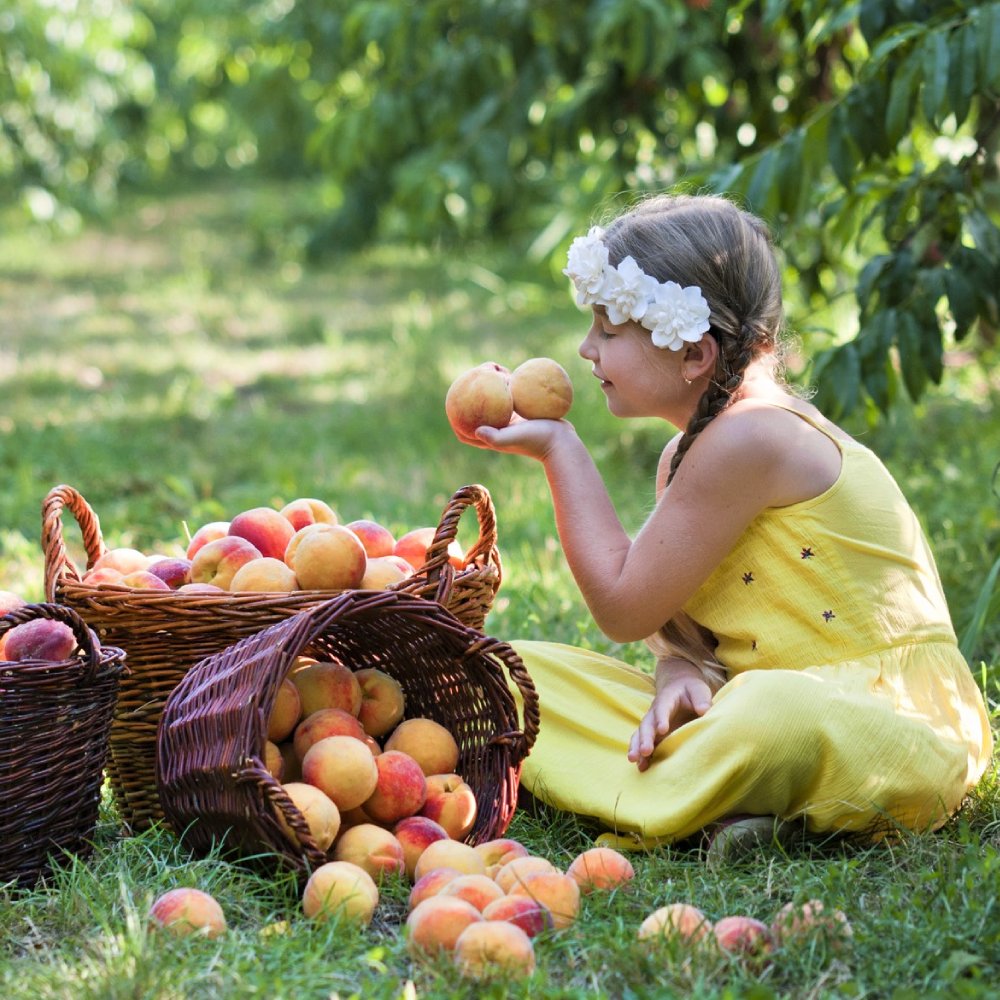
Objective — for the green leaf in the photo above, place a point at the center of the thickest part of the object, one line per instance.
(980, 613)
(790, 173)
(931, 347)
(845, 158)
(902, 92)
(871, 19)
(910, 358)
(936, 59)
(870, 274)
(988, 30)
(837, 375)
(961, 300)
(963, 53)
(761, 192)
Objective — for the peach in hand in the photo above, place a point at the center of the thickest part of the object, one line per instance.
(188, 911)
(493, 947)
(429, 743)
(216, 562)
(382, 701)
(326, 557)
(343, 767)
(451, 802)
(541, 390)
(479, 397)
(267, 530)
(340, 888)
(434, 924)
(600, 868)
(308, 510)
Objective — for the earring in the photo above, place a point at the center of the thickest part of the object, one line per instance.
(688, 381)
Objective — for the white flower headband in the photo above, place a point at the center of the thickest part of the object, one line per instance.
(674, 316)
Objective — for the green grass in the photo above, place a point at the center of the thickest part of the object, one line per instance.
(181, 365)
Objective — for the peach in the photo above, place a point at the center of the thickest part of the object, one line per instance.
(520, 868)
(600, 868)
(739, 935)
(531, 916)
(9, 601)
(377, 539)
(142, 579)
(327, 684)
(200, 588)
(343, 767)
(372, 848)
(382, 701)
(434, 924)
(541, 389)
(414, 544)
(267, 530)
(400, 789)
(479, 397)
(325, 722)
(188, 911)
(430, 884)
(340, 888)
(264, 576)
(308, 510)
(273, 760)
(353, 817)
(496, 853)
(320, 813)
(206, 533)
(494, 948)
(449, 854)
(416, 834)
(216, 562)
(451, 802)
(557, 892)
(122, 558)
(676, 920)
(285, 713)
(327, 557)
(106, 575)
(383, 571)
(291, 766)
(40, 639)
(174, 572)
(797, 922)
(429, 743)
(480, 890)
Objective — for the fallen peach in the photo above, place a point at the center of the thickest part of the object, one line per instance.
(340, 888)
(740, 935)
(531, 916)
(676, 920)
(494, 948)
(449, 854)
(416, 834)
(600, 868)
(557, 892)
(433, 925)
(429, 743)
(372, 848)
(795, 923)
(431, 883)
(520, 868)
(480, 890)
(188, 911)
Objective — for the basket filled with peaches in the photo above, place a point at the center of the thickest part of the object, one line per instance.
(374, 722)
(230, 579)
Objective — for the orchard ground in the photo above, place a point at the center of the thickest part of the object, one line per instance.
(184, 363)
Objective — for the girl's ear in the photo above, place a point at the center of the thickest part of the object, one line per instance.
(700, 358)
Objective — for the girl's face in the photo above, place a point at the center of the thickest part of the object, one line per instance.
(638, 378)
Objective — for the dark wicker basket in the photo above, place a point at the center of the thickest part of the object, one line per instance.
(211, 777)
(165, 633)
(55, 717)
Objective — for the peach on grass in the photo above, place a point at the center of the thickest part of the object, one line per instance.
(174, 572)
(480, 890)
(142, 579)
(216, 562)
(797, 922)
(308, 510)
(326, 684)
(430, 884)
(40, 639)
(400, 788)
(541, 390)
(740, 935)
(451, 802)
(186, 911)
(340, 889)
(285, 713)
(266, 575)
(382, 701)
(557, 892)
(479, 397)
(429, 743)
(265, 529)
(376, 538)
(122, 558)
(325, 722)
(496, 853)
(343, 767)
(413, 547)
(518, 869)
(326, 557)
(450, 854)
(318, 810)
(494, 948)
(680, 921)
(416, 834)
(600, 868)
(372, 848)
(383, 571)
(434, 924)
(206, 533)
(531, 916)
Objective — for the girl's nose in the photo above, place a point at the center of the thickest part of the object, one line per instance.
(587, 349)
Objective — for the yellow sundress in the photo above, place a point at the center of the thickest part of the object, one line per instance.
(847, 703)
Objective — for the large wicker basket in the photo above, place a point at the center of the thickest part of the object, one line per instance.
(55, 717)
(165, 633)
(211, 775)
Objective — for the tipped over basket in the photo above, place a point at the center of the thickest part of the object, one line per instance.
(211, 775)
(55, 716)
(165, 632)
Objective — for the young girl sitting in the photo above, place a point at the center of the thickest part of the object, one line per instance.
(807, 668)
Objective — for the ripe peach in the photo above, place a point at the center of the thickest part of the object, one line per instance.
(200, 588)
(798, 922)
(40, 639)
(557, 892)
(382, 701)
(479, 397)
(600, 868)
(497, 852)
(188, 911)
(325, 722)
(414, 544)
(372, 848)
(400, 789)
(174, 572)
(327, 684)
(376, 538)
(433, 925)
(741, 935)
(273, 760)
(216, 562)
(142, 579)
(416, 833)
(291, 765)
(451, 802)
(122, 558)
(384, 571)
(206, 533)
(531, 916)
(429, 743)
(431, 883)
(264, 576)
(541, 389)
(320, 813)
(267, 530)
(327, 557)
(340, 888)
(343, 767)
(676, 920)
(105, 576)
(449, 854)
(480, 890)
(517, 870)
(286, 712)
(308, 510)
(492, 947)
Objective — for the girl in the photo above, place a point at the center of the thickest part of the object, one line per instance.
(807, 668)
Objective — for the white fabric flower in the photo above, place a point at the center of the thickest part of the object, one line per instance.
(627, 292)
(586, 264)
(677, 316)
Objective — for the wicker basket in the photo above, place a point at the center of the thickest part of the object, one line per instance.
(55, 717)
(210, 772)
(165, 633)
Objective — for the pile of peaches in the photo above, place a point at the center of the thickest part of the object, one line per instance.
(300, 546)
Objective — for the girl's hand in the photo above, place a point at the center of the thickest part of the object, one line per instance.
(534, 438)
(680, 700)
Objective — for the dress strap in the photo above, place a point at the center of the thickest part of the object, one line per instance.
(813, 422)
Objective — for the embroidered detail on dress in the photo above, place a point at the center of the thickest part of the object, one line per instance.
(748, 578)
(753, 645)
(807, 554)
(828, 615)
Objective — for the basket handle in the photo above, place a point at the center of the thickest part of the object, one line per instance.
(59, 613)
(58, 564)
(484, 551)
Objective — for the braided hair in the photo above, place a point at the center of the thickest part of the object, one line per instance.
(706, 240)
